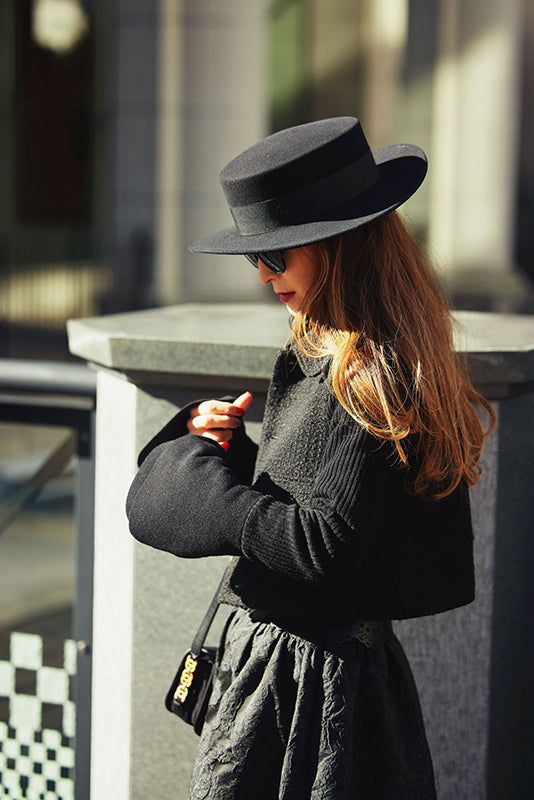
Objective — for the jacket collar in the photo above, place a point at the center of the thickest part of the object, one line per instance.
(311, 367)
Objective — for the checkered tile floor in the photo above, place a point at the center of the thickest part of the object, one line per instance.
(37, 721)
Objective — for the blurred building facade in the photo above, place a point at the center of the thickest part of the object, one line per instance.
(117, 115)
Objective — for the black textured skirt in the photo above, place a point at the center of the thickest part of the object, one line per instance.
(302, 713)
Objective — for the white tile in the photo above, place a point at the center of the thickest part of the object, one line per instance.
(65, 789)
(7, 680)
(69, 719)
(51, 738)
(70, 656)
(26, 650)
(52, 685)
(25, 714)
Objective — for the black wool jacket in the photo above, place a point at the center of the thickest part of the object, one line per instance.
(318, 515)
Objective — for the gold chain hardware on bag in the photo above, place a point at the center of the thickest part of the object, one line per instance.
(186, 679)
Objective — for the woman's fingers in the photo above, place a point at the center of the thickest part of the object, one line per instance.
(216, 419)
(243, 401)
(212, 407)
(203, 422)
(237, 408)
(219, 436)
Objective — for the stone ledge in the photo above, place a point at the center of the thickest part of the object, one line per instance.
(242, 340)
(500, 346)
(218, 339)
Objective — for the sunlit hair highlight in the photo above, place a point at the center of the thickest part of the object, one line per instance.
(377, 310)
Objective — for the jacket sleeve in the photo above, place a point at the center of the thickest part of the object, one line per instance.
(242, 454)
(187, 500)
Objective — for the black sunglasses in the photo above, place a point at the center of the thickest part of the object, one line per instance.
(274, 259)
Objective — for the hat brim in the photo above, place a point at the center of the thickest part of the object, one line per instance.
(402, 169)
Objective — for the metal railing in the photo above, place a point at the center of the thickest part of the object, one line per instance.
(61, 395)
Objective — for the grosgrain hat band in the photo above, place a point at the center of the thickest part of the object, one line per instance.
(308, 203)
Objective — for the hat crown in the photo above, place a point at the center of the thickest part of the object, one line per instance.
(311, 182)
(293, 159)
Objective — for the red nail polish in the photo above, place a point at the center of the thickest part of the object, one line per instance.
(225, 445)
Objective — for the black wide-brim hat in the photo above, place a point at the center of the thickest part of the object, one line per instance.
(309, 183)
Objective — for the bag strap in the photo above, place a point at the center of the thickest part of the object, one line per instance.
(205, 625)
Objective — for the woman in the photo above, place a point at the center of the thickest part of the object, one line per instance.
(354, 509)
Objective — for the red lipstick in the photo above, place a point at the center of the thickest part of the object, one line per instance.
(285, 297)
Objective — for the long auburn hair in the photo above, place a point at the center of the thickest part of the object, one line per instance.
(376, 308)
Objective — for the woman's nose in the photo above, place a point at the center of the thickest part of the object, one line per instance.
(264, 273)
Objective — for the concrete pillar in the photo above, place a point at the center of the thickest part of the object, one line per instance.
(172, 40)
(414, 106)
(128, 166)
(189, 95)
(212, 104)
(147, 604)
(473, 665)
(474, 148)
(334, 57)
(385, 42)
(224, 71)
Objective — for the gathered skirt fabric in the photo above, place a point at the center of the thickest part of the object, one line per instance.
(295, 716)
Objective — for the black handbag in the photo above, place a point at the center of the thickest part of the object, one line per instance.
(190, 691)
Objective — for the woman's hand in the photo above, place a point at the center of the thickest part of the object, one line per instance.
(217, 420)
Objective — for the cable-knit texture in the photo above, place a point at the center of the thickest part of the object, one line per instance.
(326, 528)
